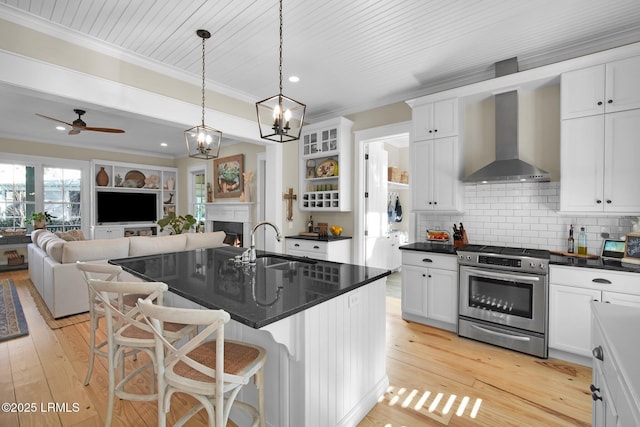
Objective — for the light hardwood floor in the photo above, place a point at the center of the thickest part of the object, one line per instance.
(429, 370)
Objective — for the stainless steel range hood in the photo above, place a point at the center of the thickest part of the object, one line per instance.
(507, 167)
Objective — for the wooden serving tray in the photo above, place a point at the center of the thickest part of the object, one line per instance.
(308, 233)
(587, 256)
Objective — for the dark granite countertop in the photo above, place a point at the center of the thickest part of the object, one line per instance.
(253, 295)
(554, 259)
(603, 264)
(440, 248)
(319, 239)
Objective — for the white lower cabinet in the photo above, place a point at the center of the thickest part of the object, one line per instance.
(430, 289)
(333, 250)
(615, 384)
(108, 232)
(571, 291)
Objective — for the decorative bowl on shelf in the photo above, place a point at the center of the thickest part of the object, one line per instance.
(336, 230)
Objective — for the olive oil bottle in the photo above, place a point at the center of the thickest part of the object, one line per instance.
(582, 242)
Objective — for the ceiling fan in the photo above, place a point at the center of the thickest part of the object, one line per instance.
(79, 125)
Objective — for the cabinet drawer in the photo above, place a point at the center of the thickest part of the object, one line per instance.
(306, 245)
(591, 278)
(430, 260)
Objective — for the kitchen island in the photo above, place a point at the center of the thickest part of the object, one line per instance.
(322, 324)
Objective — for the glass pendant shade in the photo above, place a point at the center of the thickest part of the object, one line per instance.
(280, 118)
(203, 142)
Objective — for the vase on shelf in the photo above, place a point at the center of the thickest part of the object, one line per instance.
(102, 178)
(170, 183)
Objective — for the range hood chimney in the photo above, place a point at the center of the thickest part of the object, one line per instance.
(507, 167)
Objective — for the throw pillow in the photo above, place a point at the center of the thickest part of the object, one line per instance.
(71, 235)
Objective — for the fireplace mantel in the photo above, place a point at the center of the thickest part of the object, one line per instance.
(232, 212)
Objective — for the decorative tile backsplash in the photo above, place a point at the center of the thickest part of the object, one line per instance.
(522, 215)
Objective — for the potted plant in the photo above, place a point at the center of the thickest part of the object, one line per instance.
(177, 224)
(39, 219)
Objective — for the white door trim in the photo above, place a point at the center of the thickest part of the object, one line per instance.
(361, 138)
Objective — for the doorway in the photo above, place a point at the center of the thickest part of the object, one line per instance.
(376, 238)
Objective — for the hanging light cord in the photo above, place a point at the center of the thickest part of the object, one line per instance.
(280, 67)
(203, 40)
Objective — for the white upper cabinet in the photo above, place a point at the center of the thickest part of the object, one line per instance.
(436, 169)
(436, 120)
(604, 88)
(436, 161)
(325, 166)
(599, 160)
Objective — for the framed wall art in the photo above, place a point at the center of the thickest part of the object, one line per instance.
(227, 172)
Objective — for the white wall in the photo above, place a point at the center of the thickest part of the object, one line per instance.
(522, 215)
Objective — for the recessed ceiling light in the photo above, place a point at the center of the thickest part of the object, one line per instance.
(61, 128)
(164, 144)
(294, 79)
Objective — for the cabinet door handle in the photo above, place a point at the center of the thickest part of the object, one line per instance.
(598, 353)
(593, 388)
(609, 202)
(297, 245)
(610, 101)
(435, 203)
(599, 102)
(427, 260)
(598, 201)
(435, 130)
(316, 247)
(595, 397)
(602, 281)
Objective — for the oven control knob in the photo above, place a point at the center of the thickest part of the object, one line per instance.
(532, 264)
(542, 265)
(468, 257)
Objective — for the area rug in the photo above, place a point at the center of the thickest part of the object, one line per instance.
(46, 314)
(12, 321)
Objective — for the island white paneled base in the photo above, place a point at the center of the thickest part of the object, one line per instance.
(326, 366)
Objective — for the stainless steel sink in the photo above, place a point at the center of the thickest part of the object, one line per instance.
(281, 262)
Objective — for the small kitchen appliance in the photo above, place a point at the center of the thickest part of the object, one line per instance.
(504, 296)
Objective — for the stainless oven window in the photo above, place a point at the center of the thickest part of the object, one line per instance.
(501, 296)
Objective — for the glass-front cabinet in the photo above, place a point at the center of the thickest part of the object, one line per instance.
(325, 166)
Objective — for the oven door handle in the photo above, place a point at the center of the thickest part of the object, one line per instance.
(509, 277)
(501, 334)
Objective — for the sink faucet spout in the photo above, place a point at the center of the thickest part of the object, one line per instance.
(252, 249)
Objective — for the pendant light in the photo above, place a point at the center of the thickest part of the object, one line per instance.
(280, 118)
(203, 142)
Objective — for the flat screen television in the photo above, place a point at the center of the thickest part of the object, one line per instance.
(126, 207)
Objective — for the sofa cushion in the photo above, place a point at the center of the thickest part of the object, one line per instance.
(45, 240)
(147, 245)
(54, 249)
(35, 233)
(43, 237)
(204, 240)
(91, 250)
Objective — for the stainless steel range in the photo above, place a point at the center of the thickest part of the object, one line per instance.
(504, 296)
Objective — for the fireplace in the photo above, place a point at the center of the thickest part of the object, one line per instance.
(233, 230)
(234, 218)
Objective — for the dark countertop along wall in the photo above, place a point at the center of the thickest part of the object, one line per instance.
(553, 259)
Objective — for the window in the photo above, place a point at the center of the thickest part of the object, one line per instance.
(31, 184)
(62, 197)
(199, 195)
(17, 194)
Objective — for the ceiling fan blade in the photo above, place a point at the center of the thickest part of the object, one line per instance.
(110, 130)
(55, 120)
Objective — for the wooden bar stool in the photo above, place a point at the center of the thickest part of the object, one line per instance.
(195, 366)
(126, 331)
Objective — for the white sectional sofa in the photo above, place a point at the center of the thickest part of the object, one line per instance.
(52, 262)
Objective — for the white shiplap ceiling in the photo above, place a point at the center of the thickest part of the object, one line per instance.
(351, 55)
